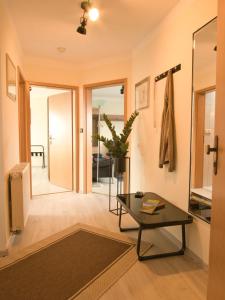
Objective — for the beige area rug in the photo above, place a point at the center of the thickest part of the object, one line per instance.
(81, 262)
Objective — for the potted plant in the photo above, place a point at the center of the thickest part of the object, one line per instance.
(119, 144)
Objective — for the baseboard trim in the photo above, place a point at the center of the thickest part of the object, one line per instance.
(4, 253)
(188, 251)
(11, 239)
(8, 245)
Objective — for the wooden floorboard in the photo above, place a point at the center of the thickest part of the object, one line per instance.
(165, 279)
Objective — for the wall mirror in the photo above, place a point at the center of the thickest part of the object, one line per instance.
(203, 120)
(10, 78)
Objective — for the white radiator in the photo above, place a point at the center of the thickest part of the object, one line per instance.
(20, 195)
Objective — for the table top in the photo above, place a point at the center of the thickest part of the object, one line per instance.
(170, 215)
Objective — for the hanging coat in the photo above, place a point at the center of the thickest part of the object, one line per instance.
(167, 152)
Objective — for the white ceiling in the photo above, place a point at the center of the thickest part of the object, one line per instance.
(47, 24)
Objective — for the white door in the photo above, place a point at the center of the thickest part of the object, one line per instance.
(61, 140)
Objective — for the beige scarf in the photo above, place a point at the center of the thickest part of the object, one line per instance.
(167, 153)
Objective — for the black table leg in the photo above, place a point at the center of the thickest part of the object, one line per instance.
(43, 162)
(160, 255)
(183, 237)
(122, 229)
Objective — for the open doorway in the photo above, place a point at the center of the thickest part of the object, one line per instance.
(51, 139)
(109, 101)
(108, 97)
(93, 92)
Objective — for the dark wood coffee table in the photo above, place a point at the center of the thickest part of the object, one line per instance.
(170, 215)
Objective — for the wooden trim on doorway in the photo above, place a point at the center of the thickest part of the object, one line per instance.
(21, 114)
(77, 130)
(24, 121)
(54, 85)
(87, 92)
(75, 89)
(199, 128)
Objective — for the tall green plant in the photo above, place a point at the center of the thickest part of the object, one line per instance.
(118, 145)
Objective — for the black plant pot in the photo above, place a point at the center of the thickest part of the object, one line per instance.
(120, 165)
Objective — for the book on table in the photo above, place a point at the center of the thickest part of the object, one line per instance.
(149, 206)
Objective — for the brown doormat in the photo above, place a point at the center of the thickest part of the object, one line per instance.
(81, 262)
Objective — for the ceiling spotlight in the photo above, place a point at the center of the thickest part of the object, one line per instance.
(93, 14)
(88, 12)
(82, 28)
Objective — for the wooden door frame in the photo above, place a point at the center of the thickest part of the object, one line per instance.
(87, 92)
(199, 124)
(24, 121)
(75, 124)
(21, 113)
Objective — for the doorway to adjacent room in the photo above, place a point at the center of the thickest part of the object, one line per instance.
(108, 98)
(109, 101)
(53, 139)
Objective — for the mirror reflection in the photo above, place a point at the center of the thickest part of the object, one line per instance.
(203, 120)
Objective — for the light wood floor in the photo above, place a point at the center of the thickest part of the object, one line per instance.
(41, 184)
(172, 278)
(103, 187)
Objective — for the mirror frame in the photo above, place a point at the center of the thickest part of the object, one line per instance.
(192, 117)
(10, 65)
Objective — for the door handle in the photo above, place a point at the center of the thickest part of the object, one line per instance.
(214, 150)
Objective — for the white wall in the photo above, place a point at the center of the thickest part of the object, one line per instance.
(50, 71)
(170, 44)
(39, 126)
(109, 105)
(9, 133)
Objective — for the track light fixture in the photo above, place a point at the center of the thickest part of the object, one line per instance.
(89, 12)
(82, 28)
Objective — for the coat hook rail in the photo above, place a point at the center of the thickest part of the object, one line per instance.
(163, 75)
